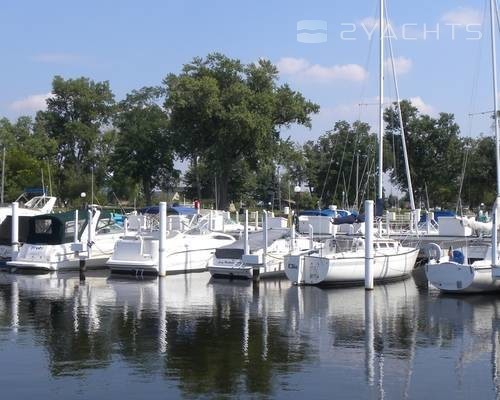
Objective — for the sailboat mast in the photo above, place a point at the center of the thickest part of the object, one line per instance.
(381, 103)
(493, 11)
(494, 238)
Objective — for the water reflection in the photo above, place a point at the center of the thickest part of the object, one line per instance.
(205, 337)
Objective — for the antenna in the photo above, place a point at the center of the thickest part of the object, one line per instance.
(3, 177)
(43, 183)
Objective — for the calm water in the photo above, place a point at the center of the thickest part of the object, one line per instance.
(189, 337)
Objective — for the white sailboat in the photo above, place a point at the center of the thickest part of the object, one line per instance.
(452, 274)
(336, 264)
(54, 244)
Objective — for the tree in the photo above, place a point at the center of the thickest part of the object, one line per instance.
(435, 153)
(144, 153)
(28, 155)
(223, 112)
(77, 112)
(332, 163)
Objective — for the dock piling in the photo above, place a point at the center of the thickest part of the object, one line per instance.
(245, 235)
(15, 229)
(162, 257)
(369, 252)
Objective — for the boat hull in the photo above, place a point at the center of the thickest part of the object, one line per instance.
(348, 269)
(451, 277)
(184, 254)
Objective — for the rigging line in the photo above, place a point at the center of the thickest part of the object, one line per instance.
(340, 168)
(360, 183)
(328, 171)
(371, 163)
(356, 144)
(462, 178)
(401, 127)
(362, 96)
(475, 80)
(367, 62)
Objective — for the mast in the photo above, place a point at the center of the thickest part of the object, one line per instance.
(403, 139)
(381, 103)
(493, 9)
(495, 96)
(3, 177)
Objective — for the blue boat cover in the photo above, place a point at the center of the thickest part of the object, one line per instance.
(176, 210)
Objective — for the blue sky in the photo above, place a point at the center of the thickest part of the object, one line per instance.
(134, 44)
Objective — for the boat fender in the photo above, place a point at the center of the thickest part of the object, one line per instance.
(432, 251)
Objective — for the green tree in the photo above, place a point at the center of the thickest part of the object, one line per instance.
(144, 152)
(435, 153)
(223, 112)
(29, 153)
(332, 161)
(77, 113)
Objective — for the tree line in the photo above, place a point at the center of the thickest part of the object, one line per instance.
(224, 119)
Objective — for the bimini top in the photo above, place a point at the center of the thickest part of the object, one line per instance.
(325, 213)
(59, 228)
(175, 210)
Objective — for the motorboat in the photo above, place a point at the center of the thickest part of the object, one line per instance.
(52, 243)
(186, 251)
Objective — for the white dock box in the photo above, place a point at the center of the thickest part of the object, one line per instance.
(322, 225)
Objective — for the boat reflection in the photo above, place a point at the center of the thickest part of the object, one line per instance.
(232, 337)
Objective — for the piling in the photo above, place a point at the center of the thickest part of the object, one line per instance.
(311, 237)
(15, 229)
(75, 236)
(246, 247)
(162, 256)
(369, 251)
(265, 235)
(494, 235)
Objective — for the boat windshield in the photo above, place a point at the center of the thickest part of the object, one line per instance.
(105, 226)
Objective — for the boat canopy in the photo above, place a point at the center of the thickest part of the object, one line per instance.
(437, 215)
(325, 213)
(175, 210)
(59, 228)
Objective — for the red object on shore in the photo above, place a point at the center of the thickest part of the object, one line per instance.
(196, 204)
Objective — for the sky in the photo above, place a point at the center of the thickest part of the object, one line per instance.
(441, 51)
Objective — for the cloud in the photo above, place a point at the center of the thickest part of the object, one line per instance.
(423, 107)
(302, 68)
(58, 58)
(31, 103)
(403, 65)
(463, 16)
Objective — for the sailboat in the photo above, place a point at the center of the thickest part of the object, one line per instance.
(453, 272)
(345, 264)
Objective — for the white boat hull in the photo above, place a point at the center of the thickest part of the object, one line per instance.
(61, 257)
(452, 277)
(184, 254)
(348, 268)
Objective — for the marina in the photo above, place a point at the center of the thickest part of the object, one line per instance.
(250, 200)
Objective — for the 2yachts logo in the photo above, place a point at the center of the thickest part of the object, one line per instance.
(316, 31)
(312, 31)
